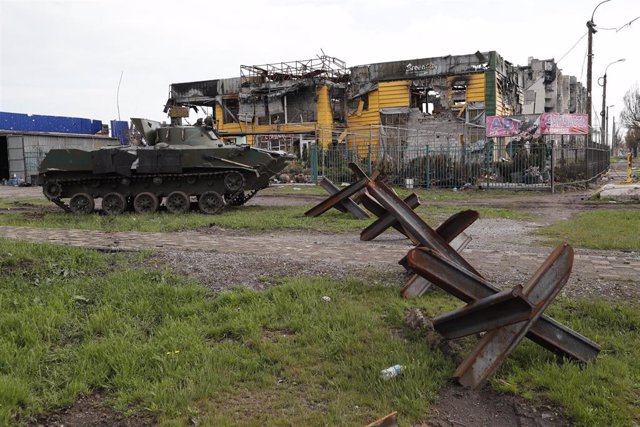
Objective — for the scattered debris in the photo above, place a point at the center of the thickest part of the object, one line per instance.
(390, 420)
(620, 193)
(391, 371)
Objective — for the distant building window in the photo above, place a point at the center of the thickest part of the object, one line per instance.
(529, 96)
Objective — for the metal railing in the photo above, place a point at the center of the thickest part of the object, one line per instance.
(462, 159)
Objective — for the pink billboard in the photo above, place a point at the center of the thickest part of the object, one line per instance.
(502, 126)
(536, 125)
(564, 124)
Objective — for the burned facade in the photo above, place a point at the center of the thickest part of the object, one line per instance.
(432, 101)
(275, 105)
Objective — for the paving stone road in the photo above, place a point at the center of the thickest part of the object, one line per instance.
(347, 250)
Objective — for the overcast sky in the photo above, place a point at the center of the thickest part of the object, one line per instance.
(65, 57)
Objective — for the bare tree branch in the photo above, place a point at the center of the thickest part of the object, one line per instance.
(631, 112)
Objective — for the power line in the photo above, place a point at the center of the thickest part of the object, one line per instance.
(572, 47)
(563, 56)
(628, 23)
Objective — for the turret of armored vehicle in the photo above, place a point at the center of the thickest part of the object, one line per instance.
(177, 164)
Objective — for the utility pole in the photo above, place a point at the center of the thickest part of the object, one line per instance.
(592, 30)
(614, 139)
(605, 110)
(603, 114)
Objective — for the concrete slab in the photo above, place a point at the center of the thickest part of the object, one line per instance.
(623, 193)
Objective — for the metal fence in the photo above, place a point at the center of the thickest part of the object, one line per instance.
(461, 160)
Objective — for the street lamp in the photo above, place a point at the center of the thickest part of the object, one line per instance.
(604, 98)
(592, 30)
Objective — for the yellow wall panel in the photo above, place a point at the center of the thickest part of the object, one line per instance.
(475, 91)
(394, 94)
(363, 129)
(325, 116)
(324, 113)
(369, 117)
(219, 114)
(500, 110)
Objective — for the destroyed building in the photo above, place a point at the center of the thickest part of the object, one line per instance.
(547, 90)
(434, 101)
(275, 105)
(434, 98)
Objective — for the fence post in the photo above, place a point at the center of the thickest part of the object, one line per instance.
(314, 163)
(369, 165)
(427, 172)
(586, 163)
(553, 165)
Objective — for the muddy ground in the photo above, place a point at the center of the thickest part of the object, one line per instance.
(456, 407)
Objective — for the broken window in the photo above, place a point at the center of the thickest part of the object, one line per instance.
(230, 110)
(276, 109)
(458, 91)
(418, 97)
(359, 104)
(338, 104)
(396, 120)
(425, 98)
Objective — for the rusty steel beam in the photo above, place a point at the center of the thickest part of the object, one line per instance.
(496, 345)
(419, 231)
(470, 287)
(452, 227)
(345, 205)
(456, 224)
(338, 205)
(411, 221)
(415, 287)
(334, 199)
(357, 170)
(501, 309)
(385, 219)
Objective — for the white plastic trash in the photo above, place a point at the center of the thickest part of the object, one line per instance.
(408, 183)
(392, 371)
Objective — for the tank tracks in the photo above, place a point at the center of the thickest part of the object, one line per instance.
(234, 198)
(242, 198)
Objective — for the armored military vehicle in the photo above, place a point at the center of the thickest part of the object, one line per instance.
(175, 165)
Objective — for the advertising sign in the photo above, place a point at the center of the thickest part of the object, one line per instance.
(564, 124)
(502, 126)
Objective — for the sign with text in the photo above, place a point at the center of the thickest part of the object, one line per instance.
(502, 126)
(536, 125)
(564, 124)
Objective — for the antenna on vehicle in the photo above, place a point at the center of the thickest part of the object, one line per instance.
(118, 95)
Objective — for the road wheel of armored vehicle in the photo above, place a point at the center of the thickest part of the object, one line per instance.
(52, 190)
(177, 202)
(211, 202)
(114, 203)
(81, 203)
(145, 203)
(234, 182)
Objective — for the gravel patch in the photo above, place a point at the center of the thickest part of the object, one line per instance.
(219, 271)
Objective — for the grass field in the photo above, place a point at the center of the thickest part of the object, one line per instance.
(255, 218)
(605, 229)
(75, 320)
